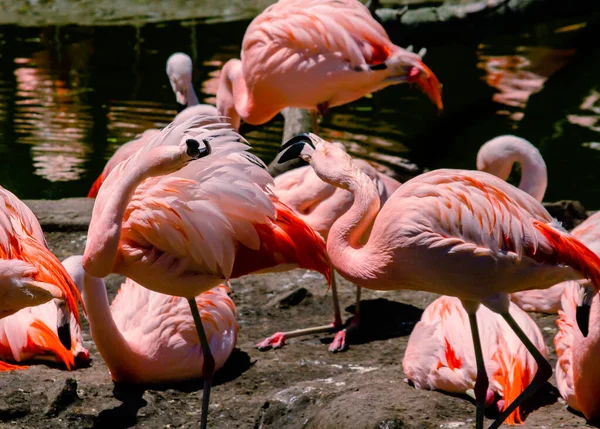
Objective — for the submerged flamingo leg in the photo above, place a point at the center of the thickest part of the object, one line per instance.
(482, 382)
(208, 368)
(541, 376)
(277, 340)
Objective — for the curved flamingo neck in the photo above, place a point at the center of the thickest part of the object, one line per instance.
(232, 94)
(351, 259)
(112, 346)
(534, 176)
(102, 246)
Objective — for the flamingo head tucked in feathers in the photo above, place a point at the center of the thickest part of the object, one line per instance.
(329, 160)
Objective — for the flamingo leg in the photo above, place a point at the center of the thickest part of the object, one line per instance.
(208, 368)
(277, 340)
(482, 382)
(339, 341)
(541, 376)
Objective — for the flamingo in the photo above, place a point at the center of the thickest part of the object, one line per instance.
(439, 354)
(46, 332)
(149, 337)
(314, 54)
(577, 345)
(30, 274)
(462, 233)
(497, 157)
(319, 204)
(179, 71)
(181, 228)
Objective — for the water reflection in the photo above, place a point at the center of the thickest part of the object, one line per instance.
(516, 77)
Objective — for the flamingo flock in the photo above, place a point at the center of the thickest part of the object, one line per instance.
(180, 211)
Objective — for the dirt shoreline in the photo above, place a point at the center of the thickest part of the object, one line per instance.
(299, 386)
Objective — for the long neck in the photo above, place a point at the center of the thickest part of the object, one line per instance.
(232, 94)
(534, 177)
(112, 346)
(354, 261)
(105, 227)
(192, 98)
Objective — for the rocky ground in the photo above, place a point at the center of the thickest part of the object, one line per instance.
(299, 386)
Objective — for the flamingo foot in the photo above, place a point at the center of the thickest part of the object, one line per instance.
(275, 341)
(339, 342)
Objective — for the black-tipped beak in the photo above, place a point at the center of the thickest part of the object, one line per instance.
(194, 150)
(293, 147)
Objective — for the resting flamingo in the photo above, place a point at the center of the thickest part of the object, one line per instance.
(149, 337)
(319, 204)
(46, 333)
(181, 228)
(440, 354)
(179, 71)
(577, 346)
(314, 54)
(30, 274)
(462, 233)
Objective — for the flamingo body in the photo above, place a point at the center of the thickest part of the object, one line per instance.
(440, 352)
(309, 53)
(30, 274)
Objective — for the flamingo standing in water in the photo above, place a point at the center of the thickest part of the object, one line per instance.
(320, 204)
(463, 233)
(30, 274)
(440, 353)
(577, 346)
(181, 228)
(149, 337)
(314, 54)
(179, 71)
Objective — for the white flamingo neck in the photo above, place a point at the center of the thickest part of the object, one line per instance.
(192, 98)
(348, 256)
(534, 176)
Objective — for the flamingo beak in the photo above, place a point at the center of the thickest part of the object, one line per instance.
(194, 150)
(296, 147)
(428, 82)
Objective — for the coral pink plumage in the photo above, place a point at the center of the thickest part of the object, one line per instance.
(440, 353)
(462, 233)
(314, 54)
(30, 274)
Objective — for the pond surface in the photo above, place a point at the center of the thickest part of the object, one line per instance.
(69, 96)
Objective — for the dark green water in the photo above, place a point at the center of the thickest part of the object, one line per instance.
(69, 96)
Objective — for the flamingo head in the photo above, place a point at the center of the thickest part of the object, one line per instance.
(329, 160)
(179, 70)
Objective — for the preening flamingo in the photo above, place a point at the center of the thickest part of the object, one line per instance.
(30, 274)
(577, 346)
(179, 71)
(149, 337)
(46, 332)
(314, 54)
(181, 228)
(497, 157)
(320, 204)
(440, 353)
(462, 233)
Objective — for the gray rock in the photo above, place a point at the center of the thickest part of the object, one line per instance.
(61, 397)
(68, 214)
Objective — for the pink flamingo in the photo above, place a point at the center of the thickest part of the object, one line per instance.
(440, 355)
(46, 332)
(149, 337)
(464, 233)
(314, 54)
(577, 345)
(320, 204)
(497, 157)
(179, 71)
(181, 228)
(30, 274)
